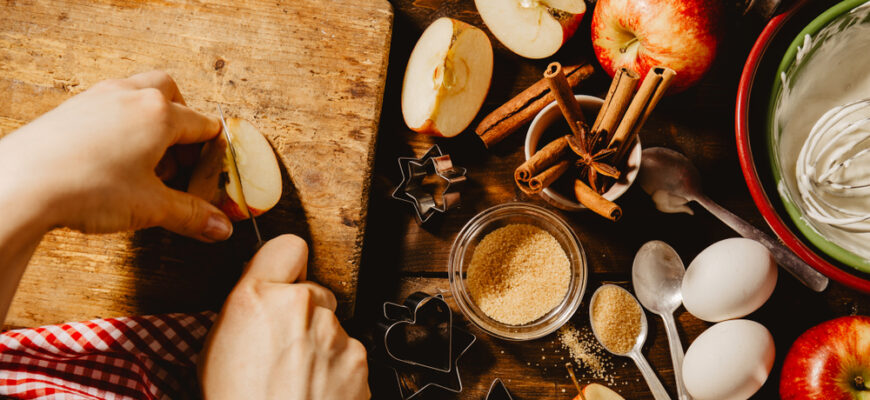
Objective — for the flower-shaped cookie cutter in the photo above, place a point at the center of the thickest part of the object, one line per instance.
(417, 366)
(413, 188)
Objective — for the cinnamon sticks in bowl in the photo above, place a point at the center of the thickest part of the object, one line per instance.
(593, 157)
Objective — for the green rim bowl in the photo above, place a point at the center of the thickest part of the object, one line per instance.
(787, 67)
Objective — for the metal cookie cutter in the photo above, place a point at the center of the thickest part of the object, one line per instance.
(413, 189)
(422, 346)
(498, 391)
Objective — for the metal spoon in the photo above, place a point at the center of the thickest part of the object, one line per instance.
(655, 386)
(657, 276)
(664, 171)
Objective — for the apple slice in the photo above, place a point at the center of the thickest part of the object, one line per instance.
(447, 78)
(214, 177)
(532, 28)
(594, 391)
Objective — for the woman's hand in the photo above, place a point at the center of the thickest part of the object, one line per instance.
(277, 336)
(91, 161)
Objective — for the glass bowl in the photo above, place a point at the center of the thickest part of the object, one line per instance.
(497, 217)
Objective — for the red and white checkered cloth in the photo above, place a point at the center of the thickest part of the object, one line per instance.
(147, 357)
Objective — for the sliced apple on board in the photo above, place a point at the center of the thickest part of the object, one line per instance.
(532, 28)
(447, 78)
(214, 177)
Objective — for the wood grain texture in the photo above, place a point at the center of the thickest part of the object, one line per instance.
(400, 256)
(308, 74)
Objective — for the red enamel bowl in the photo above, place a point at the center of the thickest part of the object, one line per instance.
(750, 116)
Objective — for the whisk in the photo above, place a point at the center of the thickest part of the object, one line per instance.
(830, 181)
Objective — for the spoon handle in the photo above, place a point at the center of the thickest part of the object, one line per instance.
(655, 385)
(676, 355)
(783, 256)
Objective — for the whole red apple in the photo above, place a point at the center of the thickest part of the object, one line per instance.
(830, 361)
(640, 34)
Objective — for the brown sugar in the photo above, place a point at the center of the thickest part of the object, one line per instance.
(586, 352)
(616, 319)
(518, 273)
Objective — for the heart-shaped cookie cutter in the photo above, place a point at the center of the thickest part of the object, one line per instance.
(404, 315)
(414, 375)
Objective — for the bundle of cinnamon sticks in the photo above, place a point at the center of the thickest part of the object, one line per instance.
(596, 154)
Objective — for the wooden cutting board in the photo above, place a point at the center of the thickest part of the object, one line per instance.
(309, 73)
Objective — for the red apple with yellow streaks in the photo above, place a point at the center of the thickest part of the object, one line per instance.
(829, 361)
(639, 34)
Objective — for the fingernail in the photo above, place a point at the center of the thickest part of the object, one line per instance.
(218, 228)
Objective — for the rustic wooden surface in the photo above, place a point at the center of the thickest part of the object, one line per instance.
(309, 74)
(400, 257)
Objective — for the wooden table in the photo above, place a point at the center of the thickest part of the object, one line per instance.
(400, 257)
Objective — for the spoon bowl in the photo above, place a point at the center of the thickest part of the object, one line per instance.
(666, 170)
(657, 276)
(641, 336)
(655, 385)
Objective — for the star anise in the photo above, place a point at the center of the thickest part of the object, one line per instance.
(591, 155)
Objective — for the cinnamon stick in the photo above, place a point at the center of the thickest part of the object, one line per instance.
(546, 178)
(542, 159)
(618, 96)
(651, 91)
(595, 202)
(521, 109)
(565, 99)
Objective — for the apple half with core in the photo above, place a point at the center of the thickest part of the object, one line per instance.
(532, 28)
(214, 177)
(639, 34)
(829, 361)
(447, 78)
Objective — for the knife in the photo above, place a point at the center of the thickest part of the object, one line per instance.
(238, 176)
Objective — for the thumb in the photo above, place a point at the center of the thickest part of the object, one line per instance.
(191, 216)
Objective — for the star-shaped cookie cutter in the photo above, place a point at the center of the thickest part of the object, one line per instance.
(498, 391)
(413, 191)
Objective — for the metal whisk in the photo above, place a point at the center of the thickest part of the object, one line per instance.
(828, 182)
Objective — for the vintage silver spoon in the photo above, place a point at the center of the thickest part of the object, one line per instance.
(657, 277)
(655, 386)
(671, 179)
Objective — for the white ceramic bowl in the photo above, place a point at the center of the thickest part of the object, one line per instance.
(550, 115)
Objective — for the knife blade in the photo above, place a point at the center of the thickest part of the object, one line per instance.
(238, 176)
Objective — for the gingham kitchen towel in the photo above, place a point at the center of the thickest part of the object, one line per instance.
(147, 357)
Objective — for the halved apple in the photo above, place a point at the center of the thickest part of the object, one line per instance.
(595, 391)
(532, 28)
(447, 78)
(214, 177)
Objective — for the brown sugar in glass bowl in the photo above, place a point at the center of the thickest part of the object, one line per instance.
(508, 320)
(518, 273)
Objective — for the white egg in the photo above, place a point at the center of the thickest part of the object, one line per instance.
(729, 361)
(730, 279)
